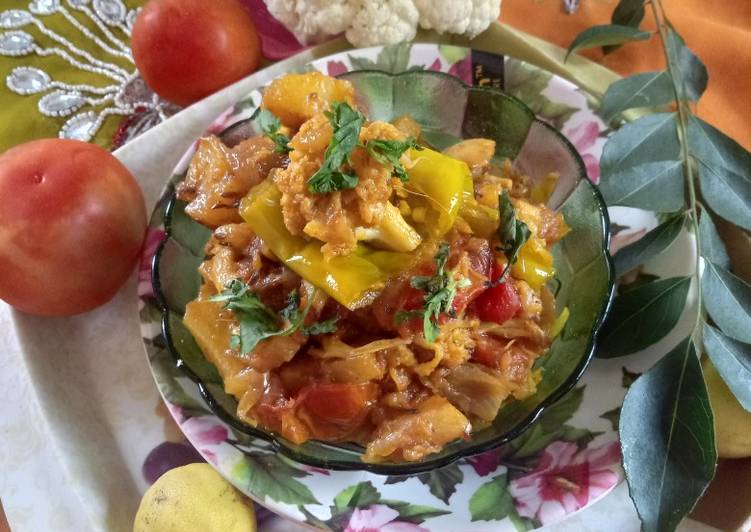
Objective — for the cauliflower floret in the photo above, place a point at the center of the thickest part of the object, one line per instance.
(383, 22)
(444, 15)
(484, 12)
(374, 22)
(458, 16)
(313, 20)
(339, 217)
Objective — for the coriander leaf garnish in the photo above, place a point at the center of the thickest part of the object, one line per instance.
(258, 322)
(292, 312)
(346, 123)
(389, 152)
(296, 317)
(326, 180)
(270, 126)
(512, 233)
(440, 291)
(320, 327)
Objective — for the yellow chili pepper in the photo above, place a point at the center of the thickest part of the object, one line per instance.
(482, 219)
(541, 192)
(534, 264)
(559, 323)
(353, 280)
(440, 183)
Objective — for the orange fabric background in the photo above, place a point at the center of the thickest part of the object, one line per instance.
(718, 31)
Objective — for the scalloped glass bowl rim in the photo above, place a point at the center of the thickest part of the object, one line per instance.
(393, 468)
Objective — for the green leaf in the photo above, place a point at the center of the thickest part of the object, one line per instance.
(657, 186)
(712, 247)
(581, 437)
(563, 410)
(311, 519)
(346, 124)
(648, 246)
(650, 89)
(604, 35)
(389, 151)
(628, 13)
(267, 120)
(614, 416)
(691, 73)
(727, 298)
(728, 193)
(492, 501)
(641, 317)
(393, 58)
(257, 322)
(667, 439)
(440, 291)
(414, 513)
(523, 524)
(733, 362)
(266, 475)
(715, 148)
(512, 233)
(724, 170)
(442, 482)
(531, 442)
(536, 438)
(270, 125)
(649, 139)
(549, 427)
(359, 495)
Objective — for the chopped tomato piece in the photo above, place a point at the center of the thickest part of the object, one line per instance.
(499, 303)
(339, 404)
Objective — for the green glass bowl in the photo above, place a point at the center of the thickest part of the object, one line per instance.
(448, 110)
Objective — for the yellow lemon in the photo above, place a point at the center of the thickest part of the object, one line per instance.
(194, 498)
(732, 422)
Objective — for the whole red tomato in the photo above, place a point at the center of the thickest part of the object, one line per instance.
(188, 49)
(72, 220)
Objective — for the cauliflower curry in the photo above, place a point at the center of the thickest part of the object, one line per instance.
(360, 286)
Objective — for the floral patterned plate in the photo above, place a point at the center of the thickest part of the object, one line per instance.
(566, 461)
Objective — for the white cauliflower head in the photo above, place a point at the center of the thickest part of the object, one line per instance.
(383, 22)
(469, 17)
(484, 12)
(313, 20)
(374, 22)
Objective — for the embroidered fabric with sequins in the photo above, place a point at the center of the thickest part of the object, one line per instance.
(86, 106)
